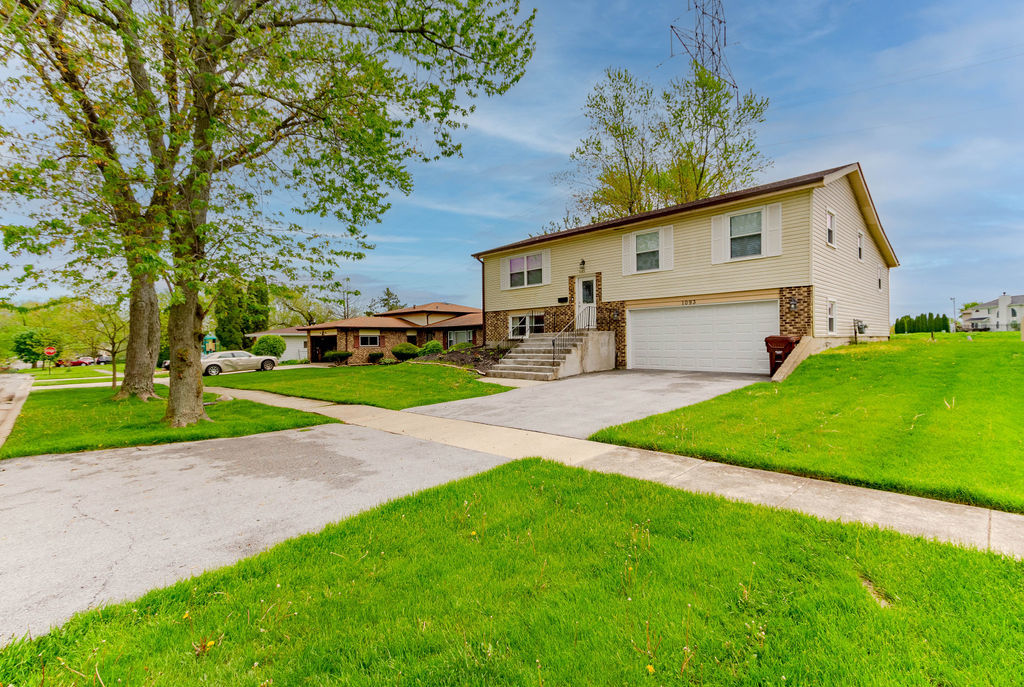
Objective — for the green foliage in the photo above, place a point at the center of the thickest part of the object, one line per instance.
(269, 344)
(387, 301)
(240, 309)
(431, 347)
(405, 351)
(375, 357)
(30, 345)
(575, 578)
(340, 357)
(925, 322)
(461, 346)
(644, 151)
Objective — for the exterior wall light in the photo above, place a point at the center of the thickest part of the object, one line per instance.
(792, 303)
(583, 266)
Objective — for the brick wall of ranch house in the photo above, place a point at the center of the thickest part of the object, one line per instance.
(360, 354)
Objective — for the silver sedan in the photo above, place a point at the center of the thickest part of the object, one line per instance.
(236, 361)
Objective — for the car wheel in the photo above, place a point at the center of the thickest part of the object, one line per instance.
(267, 365)
(212, 370)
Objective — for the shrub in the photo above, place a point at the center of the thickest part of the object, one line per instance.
(375, 357)
(339, 357)
(389, 361)
(269, 344)
(405, 351)
(461, 346)
(431, 347)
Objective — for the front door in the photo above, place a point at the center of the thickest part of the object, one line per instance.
(586, 302)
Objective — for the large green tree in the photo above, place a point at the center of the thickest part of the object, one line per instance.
(643, 150)
(175, 119)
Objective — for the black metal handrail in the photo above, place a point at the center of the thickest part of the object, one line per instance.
(572, 329)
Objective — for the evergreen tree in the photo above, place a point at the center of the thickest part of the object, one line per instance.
(228, 312)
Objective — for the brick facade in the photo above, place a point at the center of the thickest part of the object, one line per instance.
(798, 322)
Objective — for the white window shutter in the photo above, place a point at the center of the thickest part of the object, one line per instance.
(628, 255)
(666, 253)
(504, 274)
(719, 240)
(773, 229)
(545, 258)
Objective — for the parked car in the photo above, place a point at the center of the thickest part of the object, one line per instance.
(82, 360)
(103, 360)
(236, 361)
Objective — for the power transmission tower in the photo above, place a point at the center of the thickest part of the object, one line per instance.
(705, 43)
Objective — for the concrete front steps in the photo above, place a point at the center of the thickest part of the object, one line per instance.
(536, 358)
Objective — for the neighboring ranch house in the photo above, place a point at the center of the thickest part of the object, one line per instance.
(999, 315)
(294, 342)
(699, 286)
(448, 323)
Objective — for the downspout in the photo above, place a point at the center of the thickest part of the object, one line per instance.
(483, 304)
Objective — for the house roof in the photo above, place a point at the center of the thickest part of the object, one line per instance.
(370, 322)
(284, 331)
(1014, 300)
(473, 319)
(436, 306)
(813, 179)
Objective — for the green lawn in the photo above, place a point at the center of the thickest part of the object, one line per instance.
(941, 419)
(539, 574)
(43, 381)
(62, 372)
(387, 386)
(66, 420)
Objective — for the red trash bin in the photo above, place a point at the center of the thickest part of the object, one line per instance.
(779, 348)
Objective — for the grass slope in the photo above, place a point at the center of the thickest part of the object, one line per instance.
(66, 420)
(386, 386)
(43, 381)
(939, 419)
(539, 574)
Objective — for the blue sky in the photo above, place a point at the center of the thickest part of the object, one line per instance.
(926, 96)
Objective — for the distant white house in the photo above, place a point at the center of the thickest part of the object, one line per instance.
(295, 342)
(999, 315)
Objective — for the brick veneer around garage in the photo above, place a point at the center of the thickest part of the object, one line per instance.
(799, 322)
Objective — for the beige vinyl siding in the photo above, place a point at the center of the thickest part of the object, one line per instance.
(838, 275)
(692, 273)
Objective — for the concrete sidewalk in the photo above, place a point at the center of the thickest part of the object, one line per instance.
(969, 526)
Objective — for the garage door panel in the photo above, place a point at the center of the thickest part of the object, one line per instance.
(725, 337)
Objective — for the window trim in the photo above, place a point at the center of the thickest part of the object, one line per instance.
(829, 212)
(831, 320)
(526, 271)
(368, 337)
(530, 324)
(860, 246)
(636, 253)
(763, 209)
(450, 332)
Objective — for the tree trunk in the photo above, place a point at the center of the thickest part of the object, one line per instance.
(185, 328)
(143, 340)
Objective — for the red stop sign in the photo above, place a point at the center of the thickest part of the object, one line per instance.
(50, 350)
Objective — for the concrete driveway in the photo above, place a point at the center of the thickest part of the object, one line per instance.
(579, 406)
(79, 530)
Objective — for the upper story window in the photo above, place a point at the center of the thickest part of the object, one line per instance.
(881, 275)
(860, 245)
(745, 234)
(648, 251)
(830, 228)
(526, 270)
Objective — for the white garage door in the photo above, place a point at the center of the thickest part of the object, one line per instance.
(718, 338)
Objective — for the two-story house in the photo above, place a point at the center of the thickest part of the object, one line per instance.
(999, 315)
(699, 286)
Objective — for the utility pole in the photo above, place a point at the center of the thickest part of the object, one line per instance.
(954, 312)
